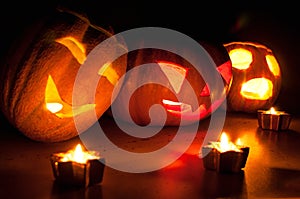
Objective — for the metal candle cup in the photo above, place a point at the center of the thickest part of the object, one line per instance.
(72, 173)
(229, 161)
(273, 120)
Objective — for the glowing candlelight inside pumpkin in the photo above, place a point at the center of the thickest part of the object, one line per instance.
(57, 106)
(225, 156)
(273, 120)
(257, 88)
(76, 48)
(179, 107)
(77, 167)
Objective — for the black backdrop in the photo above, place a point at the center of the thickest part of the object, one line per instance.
(274, 24)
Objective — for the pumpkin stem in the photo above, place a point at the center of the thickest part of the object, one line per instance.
(85, 19)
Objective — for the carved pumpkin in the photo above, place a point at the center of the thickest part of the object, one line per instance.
(178, 81)
(256, 77)
(40, 71)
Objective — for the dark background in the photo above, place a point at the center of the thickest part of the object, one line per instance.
(272, 169)
(275, 25)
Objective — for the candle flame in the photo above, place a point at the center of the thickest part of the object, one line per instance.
(225, 144)
(272, 110)
(78, 155)
(239, 142)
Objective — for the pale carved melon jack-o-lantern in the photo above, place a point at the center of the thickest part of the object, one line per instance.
(39, 72)
(176, 77)
(256, 77)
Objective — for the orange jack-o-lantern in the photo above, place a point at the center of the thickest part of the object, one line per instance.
(256, 77)
(174, 84)
(39, 73)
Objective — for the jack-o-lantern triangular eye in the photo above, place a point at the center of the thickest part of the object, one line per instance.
(175, 74)
(205, 92)
(107, 71)
(240, 58)
(52, 97)
(57, 106)
(226, 71)
(76, 48)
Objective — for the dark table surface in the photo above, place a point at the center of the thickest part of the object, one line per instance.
(272, 169)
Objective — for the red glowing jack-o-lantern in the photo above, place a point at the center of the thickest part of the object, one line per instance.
(173, 82)
(39, 73)
(256, 77)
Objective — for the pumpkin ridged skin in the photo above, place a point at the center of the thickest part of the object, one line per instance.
(150, 94)
(257, 69)
(35, 56)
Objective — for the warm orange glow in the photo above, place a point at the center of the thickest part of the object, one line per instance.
(225, 144)
(273, 65)
(238, 142)
(52, 98)
(273, 111)
(240, 58)
(57, 106)
(175, 74)
(107, 71)
(54, 107)
(173, 107)
(78, 155)
(205, 91)
(257, 89)
(226, 71)
(76, 48)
